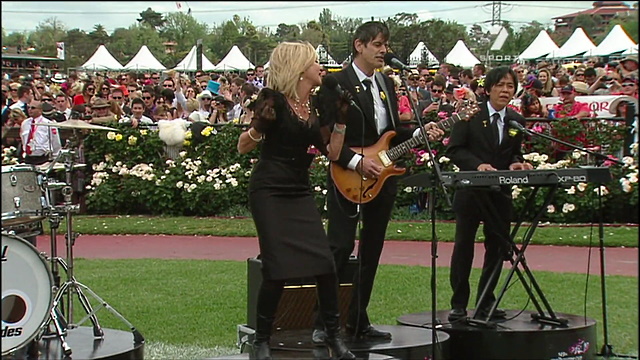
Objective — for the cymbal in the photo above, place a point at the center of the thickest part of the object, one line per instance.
(77, 124)
(58, 166)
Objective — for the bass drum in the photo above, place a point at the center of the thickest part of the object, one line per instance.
(27, 293)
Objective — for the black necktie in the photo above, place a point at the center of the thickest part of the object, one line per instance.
(496, 130)
(369, 85)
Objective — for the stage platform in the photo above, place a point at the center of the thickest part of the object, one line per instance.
(116, 345)
(407, 342)
(513, 338)
(315, 354)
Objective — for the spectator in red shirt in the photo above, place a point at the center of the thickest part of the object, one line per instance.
(569, 106)
(88, 90)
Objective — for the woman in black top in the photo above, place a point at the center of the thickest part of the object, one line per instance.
(289, 126)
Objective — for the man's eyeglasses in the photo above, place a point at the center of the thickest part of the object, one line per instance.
(436, 91)
(167, 85)
(146, 97)
(251, 74)
(156, 77)
(116, 97)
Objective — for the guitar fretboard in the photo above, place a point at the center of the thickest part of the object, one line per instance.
(397, 151)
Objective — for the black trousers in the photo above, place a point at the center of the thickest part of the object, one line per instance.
(471, 207)
(343, 220)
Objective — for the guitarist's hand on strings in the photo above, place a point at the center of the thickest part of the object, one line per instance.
(368, 168)
(433, 131)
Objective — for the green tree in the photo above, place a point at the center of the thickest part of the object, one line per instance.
(99, 35)
(286, 32)
(151, 18)
(184, 29)
(46, 35)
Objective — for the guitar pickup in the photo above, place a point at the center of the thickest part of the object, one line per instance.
(384, 159)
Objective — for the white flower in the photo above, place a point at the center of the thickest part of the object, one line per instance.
(111, 135)
(179, 184)
(515, 191)
(633, 177)
(209, 179)
(324, 192)
(626, 185)
(317, 188)
(571, 190)
(582, 186)
(603, 190)
(247, 173)
(566, 208)
(551, 209)
(182, 154)
(408, 189)
(627, 160)
(443, 160)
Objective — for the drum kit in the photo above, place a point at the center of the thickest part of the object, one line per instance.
(35, 304)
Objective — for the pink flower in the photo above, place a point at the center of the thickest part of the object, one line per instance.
(445, 141)
(611, 161)
(442, 114)
(537, 128)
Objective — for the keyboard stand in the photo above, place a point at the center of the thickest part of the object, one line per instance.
(546, 318)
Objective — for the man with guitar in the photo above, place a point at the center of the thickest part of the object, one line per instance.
(485, 143)
(372, 120)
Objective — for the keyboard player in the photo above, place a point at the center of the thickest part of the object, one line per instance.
(484, 143)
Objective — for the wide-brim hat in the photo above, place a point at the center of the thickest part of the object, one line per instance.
(100, 103)
(613, 106)
(58, 78)
(580, 87)
(222, 100)
(633, 58)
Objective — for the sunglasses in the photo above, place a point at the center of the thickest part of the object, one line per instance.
(155, 77)
(105, 88)
(12, 89)
(167, 85)
(581, 74)
(39, 87)
(520, 71)
(628, 84)
(116, 97)
(207, 98)
(46, 99)
(250, 74)
(146, 97)
(91, 89)
(33, 107)
(436, 91)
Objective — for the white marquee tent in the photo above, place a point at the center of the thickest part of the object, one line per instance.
(144, 60)
(541, 46)
(577, 44)
(102, 60)
(617, 40)
(631, 51)
(190, 62)
(416, 58)
(324, 57)
(234, 60)
(461, 56)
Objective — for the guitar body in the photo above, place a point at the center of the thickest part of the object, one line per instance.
(361, 190)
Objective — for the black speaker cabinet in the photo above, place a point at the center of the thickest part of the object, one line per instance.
(296, 309)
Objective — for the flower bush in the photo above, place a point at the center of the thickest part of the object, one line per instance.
(132, 171)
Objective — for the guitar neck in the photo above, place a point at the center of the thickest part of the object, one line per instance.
(397, 151)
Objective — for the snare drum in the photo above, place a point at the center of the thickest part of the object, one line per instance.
(23, 195)
(27, 293)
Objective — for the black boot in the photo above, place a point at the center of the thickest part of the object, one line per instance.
(261, 349)
(328, 307)
(268, 299)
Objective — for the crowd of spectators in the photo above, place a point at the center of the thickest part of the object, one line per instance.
(144, 99)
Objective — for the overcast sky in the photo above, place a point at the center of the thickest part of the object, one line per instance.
(26, 15)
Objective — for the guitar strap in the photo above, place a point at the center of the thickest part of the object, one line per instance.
(383, 85)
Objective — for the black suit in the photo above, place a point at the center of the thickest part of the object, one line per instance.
(473, 143)
(362, 131)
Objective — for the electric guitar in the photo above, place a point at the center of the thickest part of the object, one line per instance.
(360, 189)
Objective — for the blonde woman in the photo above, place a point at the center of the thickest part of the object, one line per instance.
(286, 125)
(548, 88)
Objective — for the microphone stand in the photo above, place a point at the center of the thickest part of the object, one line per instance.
(436, 177)
(607, 349)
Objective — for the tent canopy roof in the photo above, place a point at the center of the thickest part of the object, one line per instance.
(541, 46)
(578, 43)
(617, 40)
(144, 60)
(415, 57)
(102, 60)
(190, 62)
(234, 60)
(460, 55)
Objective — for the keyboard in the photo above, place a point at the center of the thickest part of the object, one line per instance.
(527, 177)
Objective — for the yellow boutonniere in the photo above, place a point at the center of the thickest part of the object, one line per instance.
(513, 132)
(383, 96)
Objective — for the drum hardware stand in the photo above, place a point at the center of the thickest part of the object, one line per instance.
(72, 285)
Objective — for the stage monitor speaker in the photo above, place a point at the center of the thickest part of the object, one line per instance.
(296, 309)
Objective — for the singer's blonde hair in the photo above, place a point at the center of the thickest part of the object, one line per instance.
(289, 60)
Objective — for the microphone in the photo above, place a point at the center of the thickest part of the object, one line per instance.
(332, 84)
(393, 61)
(516, 125)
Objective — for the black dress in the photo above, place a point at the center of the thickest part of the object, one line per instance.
(292, 238)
